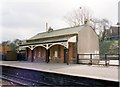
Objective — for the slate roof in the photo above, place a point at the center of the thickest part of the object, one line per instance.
(48, 37)
(59, 32)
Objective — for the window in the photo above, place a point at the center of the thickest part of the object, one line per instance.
(55, 54)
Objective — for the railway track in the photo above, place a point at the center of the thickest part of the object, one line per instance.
(29, 82)
(26, 77)
(21, 81)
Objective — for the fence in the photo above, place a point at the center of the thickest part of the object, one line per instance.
(98, 59)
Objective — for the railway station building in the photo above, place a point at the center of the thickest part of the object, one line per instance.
(62, 45)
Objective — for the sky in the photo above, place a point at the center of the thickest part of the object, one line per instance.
(22, 19)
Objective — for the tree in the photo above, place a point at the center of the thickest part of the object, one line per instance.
(81, 15)
(13, 44)
(105, 24)
(78, 17)
(17, 42)
(5, 43)
(101, 26)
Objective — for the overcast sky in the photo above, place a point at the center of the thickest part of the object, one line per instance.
(23, 19)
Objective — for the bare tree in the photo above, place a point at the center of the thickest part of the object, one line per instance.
(105, 24)
(101, 26)
(78, 17)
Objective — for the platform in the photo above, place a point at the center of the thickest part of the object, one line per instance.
(95, 71)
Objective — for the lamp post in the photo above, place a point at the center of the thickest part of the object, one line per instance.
(118, 40)
(80, 15)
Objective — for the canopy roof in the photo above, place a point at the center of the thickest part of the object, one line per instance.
(50, 40)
